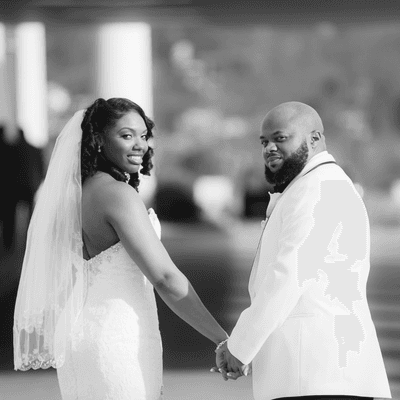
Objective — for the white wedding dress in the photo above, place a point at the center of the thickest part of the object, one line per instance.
(119, 356)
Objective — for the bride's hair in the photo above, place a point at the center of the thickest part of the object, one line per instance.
(98, 119)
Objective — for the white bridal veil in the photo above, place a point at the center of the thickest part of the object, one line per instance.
(52, 284)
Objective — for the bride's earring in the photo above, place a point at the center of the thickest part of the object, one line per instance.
(99, 149)
(127, 177)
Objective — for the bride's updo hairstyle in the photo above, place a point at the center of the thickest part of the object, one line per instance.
(101, 116)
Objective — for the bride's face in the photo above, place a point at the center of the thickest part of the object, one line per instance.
(126, 143)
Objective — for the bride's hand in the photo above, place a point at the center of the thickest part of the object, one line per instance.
(228, 365)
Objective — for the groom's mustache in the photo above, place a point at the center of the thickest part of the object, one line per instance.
(273, 155)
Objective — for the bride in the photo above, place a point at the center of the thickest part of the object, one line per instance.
(85, 303)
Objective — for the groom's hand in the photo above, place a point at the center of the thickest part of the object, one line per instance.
(234, 366)
(246, 370)
(228, 365)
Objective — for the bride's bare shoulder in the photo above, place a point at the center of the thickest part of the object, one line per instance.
(103, 189)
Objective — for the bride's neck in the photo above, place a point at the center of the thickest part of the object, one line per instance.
(105, 166)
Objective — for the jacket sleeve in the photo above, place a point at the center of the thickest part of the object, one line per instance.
(283, 285)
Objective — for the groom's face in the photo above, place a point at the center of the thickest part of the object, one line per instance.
(289, 168)
(285, 151)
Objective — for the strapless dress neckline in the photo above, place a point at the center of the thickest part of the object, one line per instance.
(114, 247)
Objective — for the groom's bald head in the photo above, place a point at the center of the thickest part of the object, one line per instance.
(301, 119)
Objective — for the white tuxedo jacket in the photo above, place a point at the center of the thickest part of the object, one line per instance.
(308, 330)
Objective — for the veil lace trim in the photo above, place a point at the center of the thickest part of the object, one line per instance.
(52, 285)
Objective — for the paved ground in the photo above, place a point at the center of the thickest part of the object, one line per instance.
(178, 385)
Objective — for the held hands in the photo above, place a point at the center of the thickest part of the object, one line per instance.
(228, 365)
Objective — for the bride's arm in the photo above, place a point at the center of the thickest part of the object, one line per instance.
(127, 214)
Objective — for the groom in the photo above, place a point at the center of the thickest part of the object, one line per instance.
(308, 331)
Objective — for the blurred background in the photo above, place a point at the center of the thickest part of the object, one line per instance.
(206, 74)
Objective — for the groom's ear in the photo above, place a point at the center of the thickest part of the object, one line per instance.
(315, 137)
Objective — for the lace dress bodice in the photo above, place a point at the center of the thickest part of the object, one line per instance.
(119, 356)
(114, 280)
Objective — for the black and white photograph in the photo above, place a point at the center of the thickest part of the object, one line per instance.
(200, 200)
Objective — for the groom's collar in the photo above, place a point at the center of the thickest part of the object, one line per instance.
(319, 158)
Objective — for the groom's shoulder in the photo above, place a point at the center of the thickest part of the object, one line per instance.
(327, 188)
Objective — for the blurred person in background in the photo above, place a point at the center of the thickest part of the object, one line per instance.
(23, 172)
(308, 331)
(7, 185)
(86, 303)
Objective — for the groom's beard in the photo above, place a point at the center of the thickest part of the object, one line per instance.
(290, 168)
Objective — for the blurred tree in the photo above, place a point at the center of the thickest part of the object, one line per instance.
(206, 76)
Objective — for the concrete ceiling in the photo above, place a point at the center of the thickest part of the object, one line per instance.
(198, 12)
